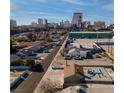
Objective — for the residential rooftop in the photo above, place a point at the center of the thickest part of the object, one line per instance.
(92, 32)
(55, 76)
(88, 43)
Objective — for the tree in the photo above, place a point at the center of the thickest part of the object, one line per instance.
(31, 37)
(49, 39)
(47, 88)
(17, 62)
(29, 62)
(12, 49)
(47, 35)
(37, 68)
(38, 30)
(62, 33)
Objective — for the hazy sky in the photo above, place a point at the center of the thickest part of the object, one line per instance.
(26, 11)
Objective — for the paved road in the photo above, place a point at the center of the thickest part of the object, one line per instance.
(28, 85)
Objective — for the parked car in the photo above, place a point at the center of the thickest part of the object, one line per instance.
(89, 55)
(35, 48)
(32, 54)
(96, 50)
(22, 55)
(68, 57)
(32, 57)
(38, 68)
(78, 57)
(81, 91)
(46, 51)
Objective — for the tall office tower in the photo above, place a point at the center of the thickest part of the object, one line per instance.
(99, 25)
(40, 23)
(66, 24)
(45, 22)
(77, 19)
(62, 24)
(13, 23)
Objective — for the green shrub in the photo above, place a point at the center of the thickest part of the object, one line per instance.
(29, 62)
(49, 40)
(31, 37)
(17, 62)
(47, 88)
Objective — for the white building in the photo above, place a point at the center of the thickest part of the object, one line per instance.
(77, 19)
(66, 24)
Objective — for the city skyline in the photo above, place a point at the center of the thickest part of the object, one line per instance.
(93, 10)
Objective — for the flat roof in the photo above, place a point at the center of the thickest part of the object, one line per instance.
(91, 35)
(91, 32)
(100, 88)
(97, 74)
(88, 43)
(91, 74)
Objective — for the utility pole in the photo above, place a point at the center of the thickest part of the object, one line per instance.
(108, 45)
(66, 63)
(97, 37)
(111, 50)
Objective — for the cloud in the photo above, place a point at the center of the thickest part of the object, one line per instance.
(35, 13)
(12, 6)
(60, 9)
(16, 6)
(83, 2)
(109, 7)
(41, 1)
(77, 2)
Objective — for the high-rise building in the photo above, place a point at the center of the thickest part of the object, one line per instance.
(99, 25)
(66, 24)
(45, 22)
(62, 24)
(77, 19)
(13, 23)
(40, 23)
